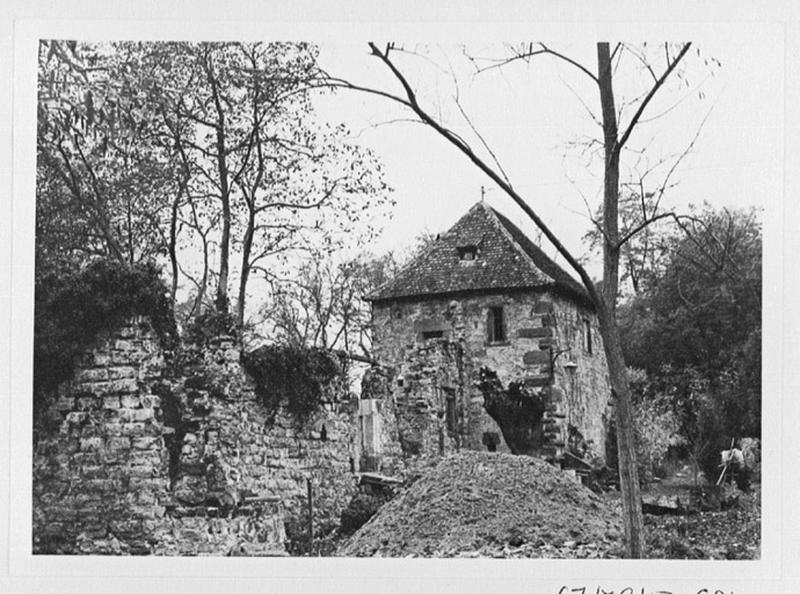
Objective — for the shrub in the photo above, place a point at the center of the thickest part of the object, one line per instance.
(72, 308)
(292, 376)
(656, 431)
(657, 428)
(209, 325)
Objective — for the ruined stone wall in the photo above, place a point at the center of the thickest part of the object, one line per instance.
(138, 460)
(100, 469)
(231, 445)
(411, 337)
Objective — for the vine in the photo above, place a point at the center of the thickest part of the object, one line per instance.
(296, 377)
(71, 309)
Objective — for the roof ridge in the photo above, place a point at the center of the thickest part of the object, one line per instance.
(508, 260)
(495, 217)
(557, 272)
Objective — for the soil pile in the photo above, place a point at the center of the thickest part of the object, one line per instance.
(476, 504)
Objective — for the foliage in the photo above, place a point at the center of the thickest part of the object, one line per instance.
(72, 308)
(104, 175)
(209, 325)
(158, 150)
(657, 428)
(292, 376)
(696, 331)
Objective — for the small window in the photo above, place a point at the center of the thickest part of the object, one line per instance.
(495, 325)
(467, 253)
(587, 336)
(491, 440)
(450, 411)
(432, 334)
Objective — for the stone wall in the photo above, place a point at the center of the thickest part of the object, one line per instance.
(139, 460)
(438, 346)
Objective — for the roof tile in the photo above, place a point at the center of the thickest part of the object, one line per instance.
(506, 259)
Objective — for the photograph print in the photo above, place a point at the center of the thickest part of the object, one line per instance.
(397, 299)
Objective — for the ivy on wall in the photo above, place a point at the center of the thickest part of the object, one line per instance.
(292, 376)
(72, 308)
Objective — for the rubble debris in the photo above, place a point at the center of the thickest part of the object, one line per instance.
(480, 504)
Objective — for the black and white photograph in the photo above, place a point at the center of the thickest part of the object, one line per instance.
(339, 296)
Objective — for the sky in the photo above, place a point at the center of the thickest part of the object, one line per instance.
(535, 118)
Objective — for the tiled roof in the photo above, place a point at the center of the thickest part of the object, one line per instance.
(506, 259)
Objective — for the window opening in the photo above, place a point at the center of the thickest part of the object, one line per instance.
(491, 440)
(450, 411)
(495, 325)
(467, 253)
(587, 336)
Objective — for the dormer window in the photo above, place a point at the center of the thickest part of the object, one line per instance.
(467, 253)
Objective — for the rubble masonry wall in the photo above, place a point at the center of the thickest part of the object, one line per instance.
(138, 462)
(539, 327)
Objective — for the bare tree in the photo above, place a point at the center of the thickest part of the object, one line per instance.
(605, 298)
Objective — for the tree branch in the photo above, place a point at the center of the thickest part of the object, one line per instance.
(658, 84)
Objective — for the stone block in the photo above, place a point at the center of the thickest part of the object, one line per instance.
(543, 307)
(87, 403)
(111, 402)
(77, 418)
(89, 444)
(150, 401)
(140, 414)
(144, 457)
(557, 394)
(534, 332)
(94, 471)
(99, 374)
(64, 403)
(130, 401)
(123, 386)
(121, 372)
(133, 428)
(146, 443)
(122, 344)
(536, 358)
(537, 381)
(92, 387)
(100, 359)
(118, 443)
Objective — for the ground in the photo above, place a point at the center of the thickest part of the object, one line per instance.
(733, 533)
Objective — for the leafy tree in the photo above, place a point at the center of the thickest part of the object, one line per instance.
(154, 150)
(697, 329)
(104, 177)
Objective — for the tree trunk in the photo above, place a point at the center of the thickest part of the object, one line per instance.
(221, 301)
(172, 248)
(626, 456)
(628, 473)
(247, 245)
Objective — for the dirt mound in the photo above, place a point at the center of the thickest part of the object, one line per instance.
(497, 505)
